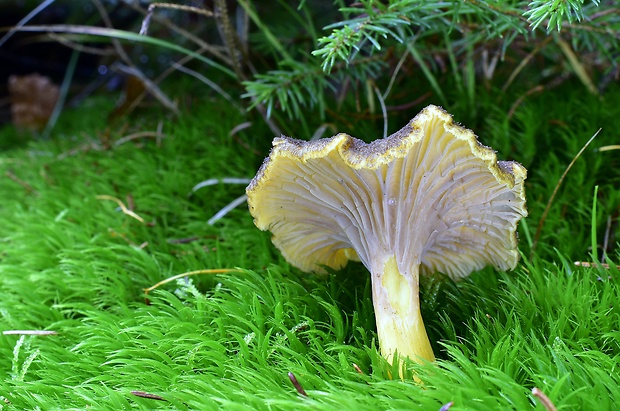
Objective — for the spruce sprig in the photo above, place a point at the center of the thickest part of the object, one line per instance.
(553, 12)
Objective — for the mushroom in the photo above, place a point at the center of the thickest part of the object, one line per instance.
(428, 198)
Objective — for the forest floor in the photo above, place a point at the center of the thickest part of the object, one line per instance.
(74, 262)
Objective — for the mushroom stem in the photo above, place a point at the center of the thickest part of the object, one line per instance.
(396, 302)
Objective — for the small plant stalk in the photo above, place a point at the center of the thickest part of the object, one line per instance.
(396, 302)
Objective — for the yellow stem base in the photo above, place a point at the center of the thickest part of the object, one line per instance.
(396, 302)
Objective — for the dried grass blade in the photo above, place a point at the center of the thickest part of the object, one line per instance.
(122, 206)
(187, 274)
(541, 223)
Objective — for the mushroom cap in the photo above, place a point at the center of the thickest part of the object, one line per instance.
(430, 194)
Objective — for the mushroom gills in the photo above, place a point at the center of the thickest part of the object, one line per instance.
(429, 198)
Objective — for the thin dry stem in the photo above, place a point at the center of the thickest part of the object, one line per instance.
(187, 274)
(609, 148)
(25, 20)
(66, 41)
(541, 223)
(546, 402)
(230, 39)
(296, 384)
(29, 332)
(124, 237)
(132, 68)
(209, 83)
(579, 69)
(394, 74)
(553, 83)
(122, 206)
(150, 396)
(229, 36)
(147, 19)
(149, 85)
(142, 134)
(606, 239)
(21, 182)
(204, 46)
(593, 265)
(524, 63)
(383, 110)
(413, 103)
(517, 103)
(227, 208)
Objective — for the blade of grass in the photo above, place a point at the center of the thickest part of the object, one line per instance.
(227, 208)
(609, 148)
(209, 83)
(524, 63)
(593, 228)
(453, 64)
(62, 96)
(579, 69)
(393, 76)
(526, 232)
(25, 20)
(383, 111)
(470, 78)
(541, 223)
(427, 73)
(567, 266)
(90, 31)
(133, 70)
(275, 43)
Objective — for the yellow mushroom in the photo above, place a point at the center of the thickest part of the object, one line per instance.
(428, 198)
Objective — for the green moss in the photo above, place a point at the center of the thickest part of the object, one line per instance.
(75, 264)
